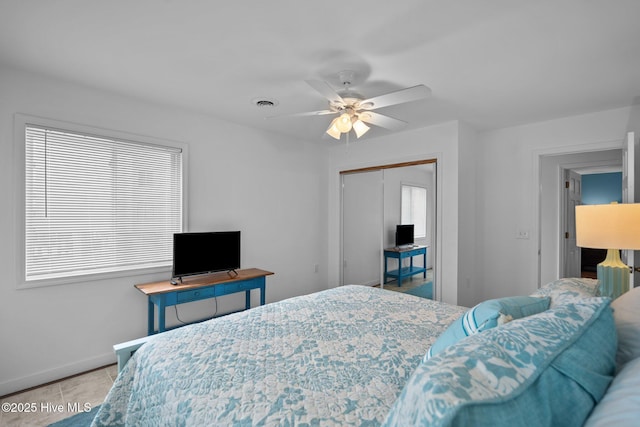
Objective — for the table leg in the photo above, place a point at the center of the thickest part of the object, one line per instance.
(161, 314)
(150, 318)
(424, 263)
(384, 278)
(247, 300)
(262, 291)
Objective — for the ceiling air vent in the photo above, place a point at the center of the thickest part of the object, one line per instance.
(265, 102)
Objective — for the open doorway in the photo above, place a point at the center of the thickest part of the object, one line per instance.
(594, 184)
(558, 255)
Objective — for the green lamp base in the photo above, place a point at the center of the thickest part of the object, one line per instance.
(613, 275)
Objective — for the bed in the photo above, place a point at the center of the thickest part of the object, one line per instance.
(337, 357)
(363, 356)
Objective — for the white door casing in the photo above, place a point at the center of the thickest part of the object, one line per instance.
(573, 195)
(630, 190)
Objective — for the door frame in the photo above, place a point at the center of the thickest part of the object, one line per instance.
(582, 168)
(631, 194)
(567, 212)
(538, 158)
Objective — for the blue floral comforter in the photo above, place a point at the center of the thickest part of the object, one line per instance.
(340, 356)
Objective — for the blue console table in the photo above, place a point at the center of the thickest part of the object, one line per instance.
(164, 294)
(404, 272)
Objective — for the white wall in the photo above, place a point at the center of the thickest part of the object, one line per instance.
(469, 270)
(436, 142)
(508, 191)
(271, 187)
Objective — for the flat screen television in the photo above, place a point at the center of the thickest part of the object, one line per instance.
(404, 235)
(205, 252)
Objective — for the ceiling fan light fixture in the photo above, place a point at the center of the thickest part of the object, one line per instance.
(355, 112)
(343, 123)
(360, 128)
(333, 130)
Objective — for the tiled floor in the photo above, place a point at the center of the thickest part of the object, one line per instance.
(59, 400)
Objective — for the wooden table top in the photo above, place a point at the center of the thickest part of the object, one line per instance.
(405, 249)
(200, 281)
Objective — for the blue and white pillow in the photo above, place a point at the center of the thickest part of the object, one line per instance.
(546, 369)
(487, 315)
(568, 290)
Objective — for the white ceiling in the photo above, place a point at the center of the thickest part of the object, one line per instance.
(491, 63)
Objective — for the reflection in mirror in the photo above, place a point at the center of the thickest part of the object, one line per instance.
(374, 202)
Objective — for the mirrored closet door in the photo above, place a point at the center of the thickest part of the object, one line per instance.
(374, 202)
(362, 203)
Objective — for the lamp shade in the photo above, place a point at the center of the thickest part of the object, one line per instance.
(612, 226)
(333, 129)
(343, 123)
(360, 128)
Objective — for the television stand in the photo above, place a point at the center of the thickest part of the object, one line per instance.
(401, 253)
(165, 294)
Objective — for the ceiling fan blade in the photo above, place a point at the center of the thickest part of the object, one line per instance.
(325, 90)
(381, 120)
(307, 113)
(401, 96)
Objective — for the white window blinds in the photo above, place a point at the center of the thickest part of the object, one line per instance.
(414, 209)
(98, 205)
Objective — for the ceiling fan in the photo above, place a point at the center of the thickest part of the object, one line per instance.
(355, 111)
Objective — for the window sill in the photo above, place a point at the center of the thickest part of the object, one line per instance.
(86, 278)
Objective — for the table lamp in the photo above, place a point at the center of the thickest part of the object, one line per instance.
(612, 227)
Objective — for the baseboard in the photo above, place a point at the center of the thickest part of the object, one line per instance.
(371, 283)
(57, 373)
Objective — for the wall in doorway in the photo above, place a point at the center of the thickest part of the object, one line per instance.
(601, 188)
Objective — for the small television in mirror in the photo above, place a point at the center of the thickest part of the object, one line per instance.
(404, 235)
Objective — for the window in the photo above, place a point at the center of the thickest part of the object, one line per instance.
(97, 204)
(414, 209)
